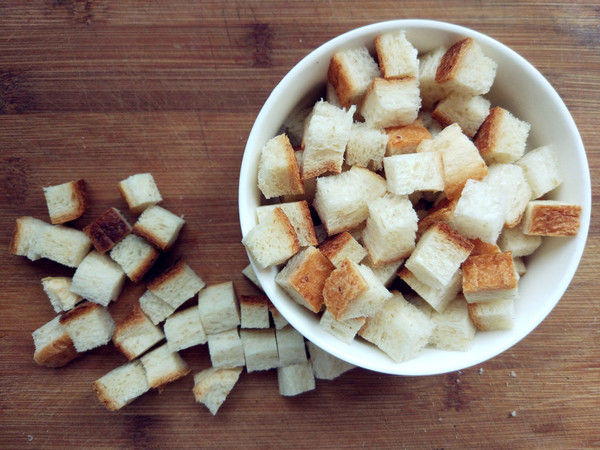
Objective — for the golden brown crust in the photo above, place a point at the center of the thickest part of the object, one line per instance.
(101, 242)
(260, 300)
(336, 74)
(442, 211)
(167, 275)
(553, 219)
(57, 353)
(333, 245)
(79, 311)
(144, 265)
(457, 239)
(289, 229)
(114, 225)
(342, 287)
(161, 382)
(102, 395)
(406, 138)
(295, 179)
(309, 280)
(452, 60)
(135, 318)
(310, 234)
(488, 272)
(483, 248)
(17, 236)
(79, 191)
(485, 139)
(150, 236)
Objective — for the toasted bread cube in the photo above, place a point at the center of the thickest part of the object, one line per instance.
(299, 215)
(184, 329)
(396, 55)
(249, 273)
(310, 184)
(218, 308)
(542, 170)
(390, 103)
(177, 284)
(53, 345)
(159, 226)
(212, 386)
(551, 218)
(496, 315)
(399, 329)
(254, 311)
(481, 248)
(510, 179)
(412, 172)
(122, 385)
(331, 96)
(58, 290)
(350, 73)
(295, 379)
(405, 139)
(135, 256)
(326, 366)
(290, 346)
(25, 234)
(163, 367)
(438, 298)
(278, 320)
(468, 111)
(278, 171)
(326, 133)
(454, 329)
(136, 333)
(226, 349)
(304, 276)
(461, 159)
(100, 240)
(342, 200)
(140, 192)
(341, 246)
(260, 349)
(431, 90)
(98, 279)
(273, 240)
(441, 211)
(385, 273)
(465, 68)
(502, 137)
(155, 307)
(344, 330)
(518, 243)
(114, 225)
(489, 277)
(352, 290)
(438, 255)
(89, 325)
(62, 244)
(67, 201)
(366, 146)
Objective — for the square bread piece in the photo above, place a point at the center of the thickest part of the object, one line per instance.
(552, 218)
(155, 307)
(385, 273)
(212, 386)
(290, 346)
(53, 345)
(98, 279)
(122, 385)
(431, 91)
(278, 320)
(366, 146)
(396, 55)
(108, 229)
(278, 171)
(295, 379)
(25, 234)
(542, 170)
(496, 315)
(518, 243)
(326, 366)
(139, 191)
(176, 284)
(438, 298)
(299, 215)
(58, 290)
(454, 329)
(218, 307)
(344, 330)
(405, 139)
(67, 201)
(184, 329)
(390, 103)
(412, 172)
(260, 349)
(62, 244)
(468, 111)
(341, 246)
(510, 179)
(249, 273)
(489, 277)
(304, 276)
(163, 367)
(159, 226)
(226, 349)
(89, 325)
(441, 211)
(135, 256)
(135, 333)
(254, 311)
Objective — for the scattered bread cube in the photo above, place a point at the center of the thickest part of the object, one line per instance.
(551, 218)
(26, 231)
(341, 246)
(218, 307)
(163, 367)
(159, 226)
(226, 349)
(366, 146)
(510, 179)
(496, 315)
(480, 247)
(278, 171)
(386, 273)
(89, 325)
(53, 345)
(295, 379)
(391, 102)
(298, 213)
(489, 277)
(467, 111)
(155, 307)
(98, 279)
(135, 333)
(260, 349)
(212, 386)
(396, 55)
(184, 329)
(344, 330)
(135, 256)
(122, 385)
(437, 298)
(107, 230)
(176, 284)
(431, 90)
(254, 311)
(290, 346)
(326, 366)
(518, 243)
(412, 172)
(405, 138)
(249, 273)
(58, 290)
(139, 191)
(278, 320)
(454, 329)
(67, 201)
(542, 170)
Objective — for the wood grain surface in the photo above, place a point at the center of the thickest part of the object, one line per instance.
(101, 90)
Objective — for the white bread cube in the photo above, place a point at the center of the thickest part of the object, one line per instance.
(304, 276)
(290, 346)
(391, 229)
(396, 55)
(366, 146)
(437, 298)
(25, 234)
(89, 325)
(218, 308)
(518, 243)
(341, 246)
(62, 244)
(58, 290)
(295, 379)
(155, 307)
(350, 73)
(510, 179)
(385, 273)
(254, 311)
(390, 103)
(467, 111)
(278, 320)
(98, 279)
(438, 255)
(344, 330)
(273, 240)
(298, 213)
(139, 191)
(108, 229)
(53, 345)
(135, 333)
(67, 201)
(399, 329)
(326, 366)
(278, 171)
(405, 138)
(176, 284)
(163, 367)
(542, 170)
(326, 134)
(310, 184)
(551, 218)
(454, 329)
(341, 201)
(502, 137)
(122, 385)
(260, 349)
(249, 273)
(212, 386)
(431, 90)
(496, 315)
(412, 172)
(490, 277)
(159, 226)
(226, 349)
(352, 290)
(135, 256)
(184, 329)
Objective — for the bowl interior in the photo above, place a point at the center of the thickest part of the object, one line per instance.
(518, 87)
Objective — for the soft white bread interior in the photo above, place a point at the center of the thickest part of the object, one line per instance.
(254, 311)
(66, 201)
(135, 256)
(98, 279)
(467, 111)
(135, 333)
(437, 298)
(25, 234)
(163, 367)
(159, 226)
(53, 345)
(431, 90)
(412, 172)
(212, 386)
(391, 102)
(155, 307)
(366, 146)
(552, 218)
(58, 290)
(226, 349)
(139, 191)
(278, 171)
(510, 179)
(290, 346)
(295, 379)
(122, 385)
(89, 325)
(218, 307)
(542, 170)
(298, 213)
(490, 277)
(496, 315)
(396, 55)
(454, 329)
(341, 246)
(260, 349)
(405, 138)
(518, 243)
(326, 366)
(184, 329)
(176, 284)
(249, 273)
(344, 330)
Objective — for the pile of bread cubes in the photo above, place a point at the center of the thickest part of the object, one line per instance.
(245, 331)
(401, 206)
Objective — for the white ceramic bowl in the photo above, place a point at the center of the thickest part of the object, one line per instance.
(518, 87)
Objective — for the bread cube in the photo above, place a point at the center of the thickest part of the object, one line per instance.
(437, 298)
(350, 73)
(254, 311)
(176, 284)
(135, 256)
(25, 234)
(438, 255)
(212, 386)
(431, 90)
(184, 329)
(304, 276)
(295, 379)
(155, 307)
(542, 170)
(441, 211)
(58, 290)
(366, 146)
(341, 246)
(110, 228)
(226, 349)
(299, 215)
(122, 385)
(89, 325)
(278, 320)
(481, 248)
(260, 349)
(53, 345)
(510, 179)
(467, 111)
(67, 201)
(552, 218)
(396, 55)
(405, 138)
(159, 226)
(98, 279)
(139, 191)
(385, 273)
(489, 277)
(290, 346)
(454, 329)
(344, 330)
(391, 102)
(412, 172)
(518, 243)
(218, 308)
(278, 171)
(326, 366)
(495, 315)
(502, 137)
(163, 367)
(249, 273)
(136, 333)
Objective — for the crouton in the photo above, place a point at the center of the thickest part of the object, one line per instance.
(496, 315)
(184, 329)
(176, 284)
(344, 330)
(542, 170)
(295, 379)
(391, 103)
(405, 139)
(454, 329)
(25, 234)
(163, 367)
(260, 349)
(481, 248)
(122, 385)
(431, 91)
(53, 345)
(135, 333)
(518, 243)
(299, 215)
(551, 218)
(290, 346)
(249, 273)
(58, 290)
(155, 307)
(139, 192)
(212, 386)
(310, 184)
(396, 55)
(350, 73)
(254, 311)
(159, 226)
(441, 211)
(67, 201)
(108, 229)
(89, 325)
(278, 320)
(226, 349)
(366, 146)
(98, 279)
(278, 171)
(386, 273)
(218, 308)
(326, 366)
(341, 246)
(412, 172)
(467, 111)
(510, 179)
(438, 298)
(489, 277)
(135, 256)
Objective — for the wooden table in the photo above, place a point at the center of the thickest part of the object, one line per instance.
(101, 90)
